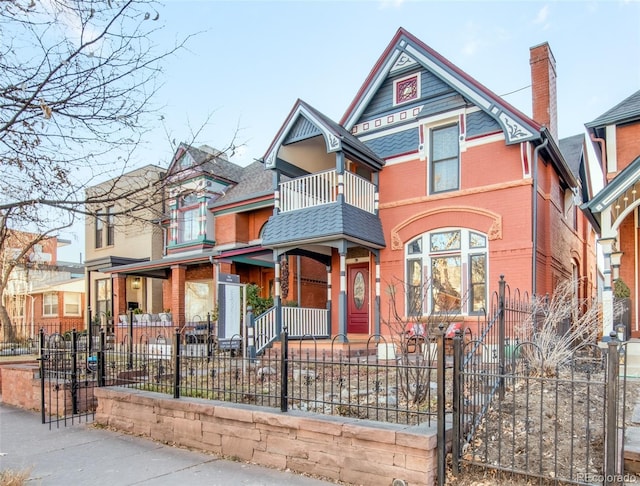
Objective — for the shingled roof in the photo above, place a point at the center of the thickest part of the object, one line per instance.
(625, 111)
(254, 181)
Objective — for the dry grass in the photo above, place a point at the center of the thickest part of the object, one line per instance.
(9, 477)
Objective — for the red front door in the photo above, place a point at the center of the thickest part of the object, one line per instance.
(358, 299)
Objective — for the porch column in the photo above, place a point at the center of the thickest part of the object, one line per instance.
(329, 301)
(376, 305)
(376, 196)
(342, 299)
(277, 300)
(276, 192)
(340, 168)
(119, 283)
(607, 291)
(178, 280)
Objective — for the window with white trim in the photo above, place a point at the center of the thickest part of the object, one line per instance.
(50, 304)
(103, 297)
(72, 303)
(444, 158)
(447, 272)
(189, 219)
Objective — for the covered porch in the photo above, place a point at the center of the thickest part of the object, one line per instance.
(326, 207)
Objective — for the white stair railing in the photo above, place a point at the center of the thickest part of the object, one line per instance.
(300, 321)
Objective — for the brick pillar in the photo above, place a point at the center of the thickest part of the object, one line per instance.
(119, 283)
(178, 278)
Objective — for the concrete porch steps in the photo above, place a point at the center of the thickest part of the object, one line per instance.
(355, 347)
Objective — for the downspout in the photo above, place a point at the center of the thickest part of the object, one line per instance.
(534, 222)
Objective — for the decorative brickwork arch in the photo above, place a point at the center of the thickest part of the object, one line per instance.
(481, 220)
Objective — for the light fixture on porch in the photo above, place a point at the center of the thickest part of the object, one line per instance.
(136, 283)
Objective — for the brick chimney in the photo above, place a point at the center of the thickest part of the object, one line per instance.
(543, 87)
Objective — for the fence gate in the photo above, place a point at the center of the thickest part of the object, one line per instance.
(67, 379)
(518, 411)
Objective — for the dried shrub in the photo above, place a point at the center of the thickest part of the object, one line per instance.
(559, 325)
(414, 350)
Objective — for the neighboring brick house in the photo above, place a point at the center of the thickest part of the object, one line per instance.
(615, 137)
(42, 292)
(429, 178)
(215, 211)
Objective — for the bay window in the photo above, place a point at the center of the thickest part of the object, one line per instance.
(446, 273)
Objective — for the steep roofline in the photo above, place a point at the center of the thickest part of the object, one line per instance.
(336, 137)
(469, 81)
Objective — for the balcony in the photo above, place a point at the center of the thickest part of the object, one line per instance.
(322, 188)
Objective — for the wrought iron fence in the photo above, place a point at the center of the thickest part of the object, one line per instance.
(67, 378)
(334, 380)
(564, 424)
(516, 410)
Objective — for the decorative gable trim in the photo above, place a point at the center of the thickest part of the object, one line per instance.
(387, 120)
(404, 61)
(405, 49)
(333, 143)
(406, 89)
(515, 131)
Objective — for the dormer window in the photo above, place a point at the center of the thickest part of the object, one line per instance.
(185, 162)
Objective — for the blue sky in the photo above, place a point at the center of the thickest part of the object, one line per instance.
(251, 60)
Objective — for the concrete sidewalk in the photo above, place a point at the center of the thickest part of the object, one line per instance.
(83, 455)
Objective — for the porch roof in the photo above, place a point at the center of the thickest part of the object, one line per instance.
(327, 222)
(619, 197)
(161, 268)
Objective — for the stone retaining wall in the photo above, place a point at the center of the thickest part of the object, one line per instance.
(351, 450)
(20, 385)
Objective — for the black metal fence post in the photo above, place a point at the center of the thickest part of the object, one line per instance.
(42, 359)
(209, 337)
(501, 334)
(284, 367)
(441, 431)
(74, 371)
(611, 429)
(101, 358)
(176, 364)
(130, 359)
(457, 394)
(90, 331)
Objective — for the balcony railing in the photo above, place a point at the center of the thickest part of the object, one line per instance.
(322, 188)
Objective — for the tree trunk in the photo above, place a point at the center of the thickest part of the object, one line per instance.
(8, 331)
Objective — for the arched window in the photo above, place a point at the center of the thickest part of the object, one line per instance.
(447, 272)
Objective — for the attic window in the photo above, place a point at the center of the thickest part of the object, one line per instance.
(185, 161)
(406, 89)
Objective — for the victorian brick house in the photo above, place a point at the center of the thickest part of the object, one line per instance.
(432, 180)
